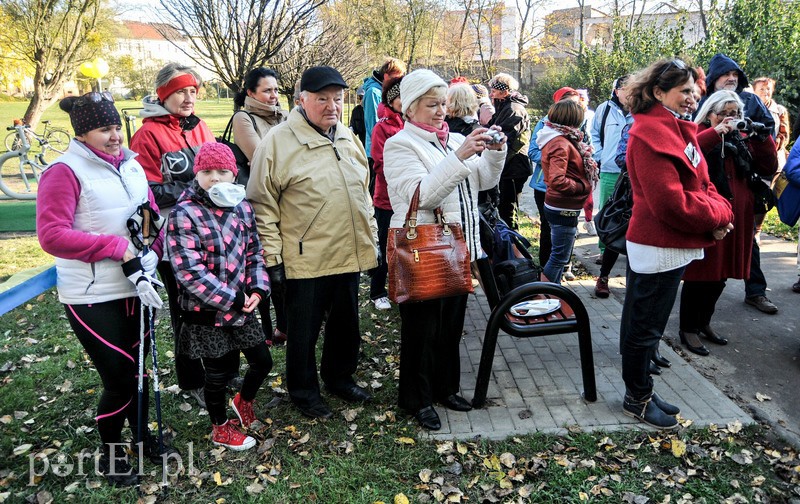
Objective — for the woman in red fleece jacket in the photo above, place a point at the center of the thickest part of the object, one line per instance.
(167, 142)
(390, 122)
(677, 212)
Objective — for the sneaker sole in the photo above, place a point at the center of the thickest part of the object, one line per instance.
(659, 427)
(245, 446)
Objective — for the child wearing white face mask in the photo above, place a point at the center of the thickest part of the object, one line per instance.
(219, 266)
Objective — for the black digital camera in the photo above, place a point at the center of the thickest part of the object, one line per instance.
(747, 125)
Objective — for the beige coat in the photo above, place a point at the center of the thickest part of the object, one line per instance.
(311, 198)
(265, 117)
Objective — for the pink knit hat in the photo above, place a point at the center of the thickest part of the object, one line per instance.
(215, 156)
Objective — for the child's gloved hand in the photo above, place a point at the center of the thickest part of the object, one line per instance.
(145, 285)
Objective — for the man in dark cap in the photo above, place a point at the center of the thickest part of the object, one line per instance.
(308, 187)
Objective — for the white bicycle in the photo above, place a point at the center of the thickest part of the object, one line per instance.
(19, 170)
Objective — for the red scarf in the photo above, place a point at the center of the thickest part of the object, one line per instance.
(441, 134)
(576, 136)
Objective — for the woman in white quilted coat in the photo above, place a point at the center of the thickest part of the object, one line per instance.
(449, 172)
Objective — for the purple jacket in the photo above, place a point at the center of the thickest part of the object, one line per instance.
(217, 258)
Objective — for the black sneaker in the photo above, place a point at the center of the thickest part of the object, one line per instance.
(121, 474)
(647, 411)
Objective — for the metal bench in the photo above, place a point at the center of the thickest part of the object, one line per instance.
(571, 317)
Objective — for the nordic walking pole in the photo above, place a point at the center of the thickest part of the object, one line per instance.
(146, 217)
(140, 389)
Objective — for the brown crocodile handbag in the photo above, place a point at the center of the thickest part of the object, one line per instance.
(427, 261)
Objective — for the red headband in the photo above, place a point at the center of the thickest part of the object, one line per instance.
(179, 82)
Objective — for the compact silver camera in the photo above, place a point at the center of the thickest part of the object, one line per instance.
(496, 136)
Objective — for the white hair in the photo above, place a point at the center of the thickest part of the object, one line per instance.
(716, 102)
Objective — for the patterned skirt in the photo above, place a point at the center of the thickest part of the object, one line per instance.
(198, 341)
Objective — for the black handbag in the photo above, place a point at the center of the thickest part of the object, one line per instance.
(241, 159)
(515, 272)
(611, 222)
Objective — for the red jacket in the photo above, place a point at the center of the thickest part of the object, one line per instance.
(564, 174)
(730, 257)
(166, 146)
(674, 203)
(390, 123)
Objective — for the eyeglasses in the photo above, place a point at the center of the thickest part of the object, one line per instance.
(677, 63)
(94, 97)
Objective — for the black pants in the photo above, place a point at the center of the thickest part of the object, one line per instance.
(545, 240)
(430, 365)
(308, 301)
(609, 260)
(648, 302)
(377, 284)
(109, 332)
(277, 297)
(756, 285)
(698, 302)
(189, 371)
(219, 369)
(510, 189)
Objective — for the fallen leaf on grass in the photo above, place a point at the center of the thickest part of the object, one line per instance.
(508, 460)
(44, 497)
(406, 441)
(254, 488)
(185, 407)
(350, 414)
(401, 499)
(678, 448)
(425, 475)
(744, 457)
(23, 448)
(5, 419)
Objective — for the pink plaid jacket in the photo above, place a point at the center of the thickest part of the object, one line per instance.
(215, 253)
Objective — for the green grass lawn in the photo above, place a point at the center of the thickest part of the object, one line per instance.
(365, 454)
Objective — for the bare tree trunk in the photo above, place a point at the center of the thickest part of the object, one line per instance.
(581, 4)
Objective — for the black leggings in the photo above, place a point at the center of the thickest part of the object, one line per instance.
(109, 332)
(189, 371)
(219, 369)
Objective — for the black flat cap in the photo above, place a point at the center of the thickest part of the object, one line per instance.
(320, 77)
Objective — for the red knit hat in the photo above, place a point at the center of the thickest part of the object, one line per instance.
(215, 156)
(563, 92)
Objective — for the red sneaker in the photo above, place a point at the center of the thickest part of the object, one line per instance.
(243, 410)
(229, 436)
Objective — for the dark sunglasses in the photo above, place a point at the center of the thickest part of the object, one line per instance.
(94, 97)
(677, 63)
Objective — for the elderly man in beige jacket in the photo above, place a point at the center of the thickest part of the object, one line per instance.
(308, 187)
